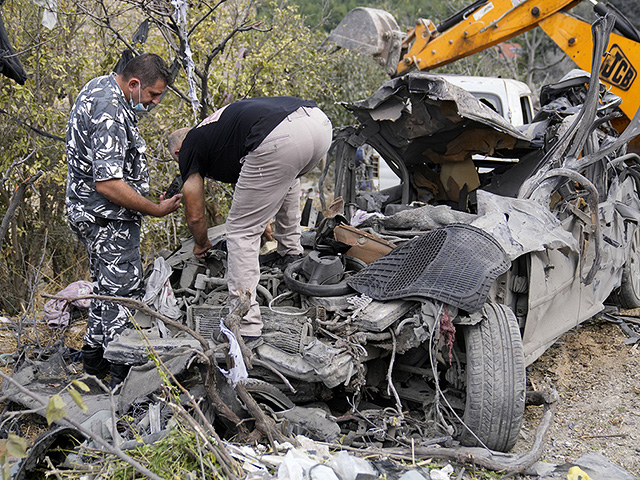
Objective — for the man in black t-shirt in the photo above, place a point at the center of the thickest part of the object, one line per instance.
(263, 145)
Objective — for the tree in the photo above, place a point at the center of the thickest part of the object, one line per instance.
(38, 246)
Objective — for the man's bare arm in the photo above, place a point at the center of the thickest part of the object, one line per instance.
(194, 202)
(120, 193)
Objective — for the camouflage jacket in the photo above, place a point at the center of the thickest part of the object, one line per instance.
(103, 143)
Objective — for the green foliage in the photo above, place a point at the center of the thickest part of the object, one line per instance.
(81, 385)
(176, 456)
(55, 409)
(77, 398)
(38, 247)
(16, 447)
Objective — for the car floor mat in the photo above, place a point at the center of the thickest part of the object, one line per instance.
(456, 264)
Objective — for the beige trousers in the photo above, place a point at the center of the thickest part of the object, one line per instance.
(269, 187)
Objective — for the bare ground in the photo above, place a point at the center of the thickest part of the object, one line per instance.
(598, 379)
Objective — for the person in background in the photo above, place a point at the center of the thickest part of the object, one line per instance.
(263, 145)
(107, 185)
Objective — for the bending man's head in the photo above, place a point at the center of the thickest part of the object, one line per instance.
(175, 140)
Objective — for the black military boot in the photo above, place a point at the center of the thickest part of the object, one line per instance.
(119, 372)
(93, 362)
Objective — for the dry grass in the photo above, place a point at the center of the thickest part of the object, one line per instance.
(30, 337)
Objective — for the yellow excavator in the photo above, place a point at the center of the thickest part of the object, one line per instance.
(486, 23)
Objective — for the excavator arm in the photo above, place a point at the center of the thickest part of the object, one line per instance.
(619, 67)
(486, 23)
(482, 25)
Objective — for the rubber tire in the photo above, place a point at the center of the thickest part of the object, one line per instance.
(628, 295)
(268, 393)
(334, 290)
(496, 380)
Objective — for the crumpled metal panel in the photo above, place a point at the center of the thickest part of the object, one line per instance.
(521, 226)
(130, 348)
(421, 104)
(558, 299)
(319, 362)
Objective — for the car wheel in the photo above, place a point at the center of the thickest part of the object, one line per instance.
(267, 393)
(495, 380)
(628, 295)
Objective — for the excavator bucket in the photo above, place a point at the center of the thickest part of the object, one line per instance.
(369, 31)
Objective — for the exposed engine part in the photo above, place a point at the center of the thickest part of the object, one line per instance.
(287, 332)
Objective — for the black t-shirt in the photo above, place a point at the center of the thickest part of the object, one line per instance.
(215, 149)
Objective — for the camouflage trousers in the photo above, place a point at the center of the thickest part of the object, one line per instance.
(116, 270)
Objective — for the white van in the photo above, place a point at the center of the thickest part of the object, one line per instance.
(510, 98)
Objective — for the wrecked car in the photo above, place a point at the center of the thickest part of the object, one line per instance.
(497, 241)
(416, 310)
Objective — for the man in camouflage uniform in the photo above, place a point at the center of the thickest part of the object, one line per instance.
(107, 184)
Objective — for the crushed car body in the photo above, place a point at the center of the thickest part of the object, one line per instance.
(539, 231)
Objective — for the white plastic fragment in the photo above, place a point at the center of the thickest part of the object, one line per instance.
(299, 466)
(360, 216)
(239, 370)
(349, 467)
(441, 474)
(412, 475)
(158, 293)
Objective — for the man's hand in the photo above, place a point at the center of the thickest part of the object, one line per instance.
(170, 205)
(200, 251)
(119, 192)
(268, 233)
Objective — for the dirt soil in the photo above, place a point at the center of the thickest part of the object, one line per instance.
(598, 379)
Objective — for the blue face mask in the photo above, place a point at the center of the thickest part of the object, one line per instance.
(139, 107)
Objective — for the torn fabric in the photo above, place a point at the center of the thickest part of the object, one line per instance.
(180, 16)
(58, 312)
(49, 16)
(238, 371)
(159, 293)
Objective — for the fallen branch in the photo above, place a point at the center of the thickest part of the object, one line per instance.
(226, 461)
(480, 457)
(264, 425)
(209, 380)
(86, 432)
(233, 321)
(136, 305)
